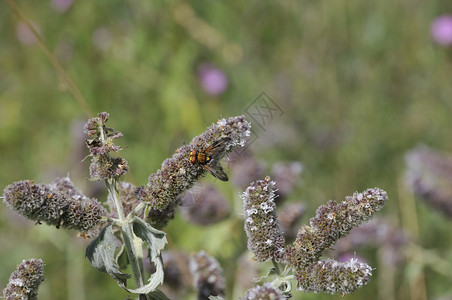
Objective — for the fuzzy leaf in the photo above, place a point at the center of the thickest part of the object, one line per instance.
(121, 258)
(156, 241)
(157, 295)
(216, 298)
(101, 254)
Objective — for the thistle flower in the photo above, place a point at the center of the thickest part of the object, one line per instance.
(330, 276)
(441, 30)
(264, 292)
(210, 208)
(59, 204)
(100, 143)
(429, 175)
(213, 80)
(208, 276)
(178, 174)
(265, 239)
(24, 282)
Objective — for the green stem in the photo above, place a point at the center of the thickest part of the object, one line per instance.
(133, 244)
(277, 268)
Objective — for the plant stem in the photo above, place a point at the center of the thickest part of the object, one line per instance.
(133, 244)
(276, 266)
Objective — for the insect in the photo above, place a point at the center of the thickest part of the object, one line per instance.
(209, 158)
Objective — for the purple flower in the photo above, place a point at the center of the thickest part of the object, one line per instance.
(25, 35)
(60, 204)
(441, 30)
(24, 282)
(265, 239)
(213, 80)
(61, 6)
(266, 291)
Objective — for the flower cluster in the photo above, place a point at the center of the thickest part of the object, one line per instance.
(265, 239)
(264, 292)
(429, 175)
(59, 204)
(330, 276)
(100, 143)
(178, 174)
(24, 282)
(208, 275)
(332, 221)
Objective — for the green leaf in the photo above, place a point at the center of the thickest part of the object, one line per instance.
(156, 241)
(122, 259)
(101, 254)
(272, 271)
(158, 295)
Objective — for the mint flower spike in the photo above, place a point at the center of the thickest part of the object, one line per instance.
(264, 292)
(265, 239)
(332, 277)
(100, 143)
(429, 176)
(24, 282)
(59, 204)
(178, 174)
(332, 221)
(208, 277)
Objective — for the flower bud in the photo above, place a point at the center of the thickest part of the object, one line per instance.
(100, 143)
(24, 282)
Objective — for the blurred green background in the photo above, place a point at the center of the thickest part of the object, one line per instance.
(359, 83)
